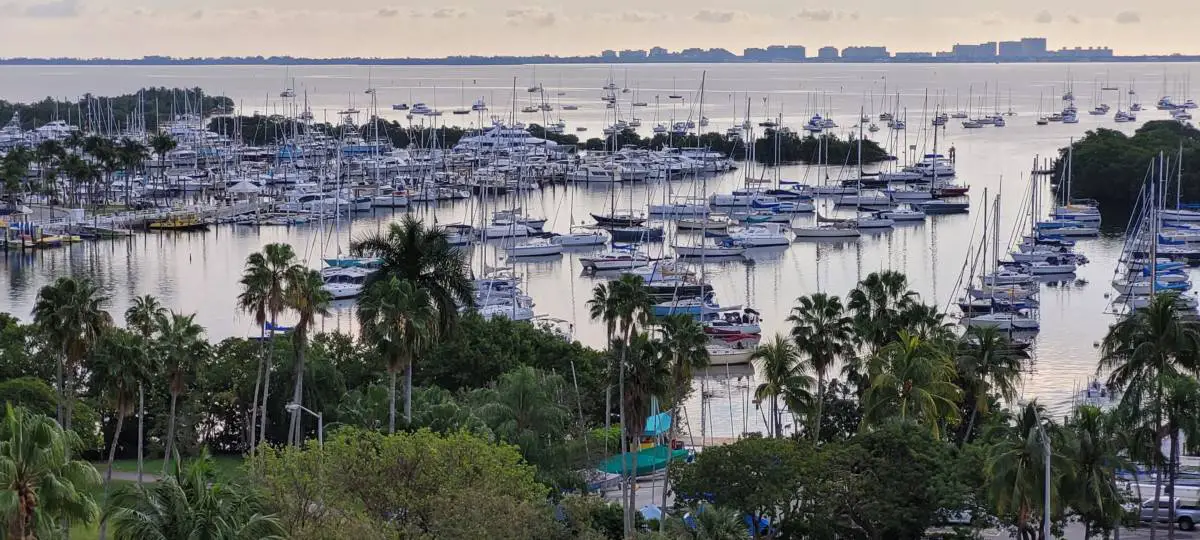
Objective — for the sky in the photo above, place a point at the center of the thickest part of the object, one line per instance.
(398, 28)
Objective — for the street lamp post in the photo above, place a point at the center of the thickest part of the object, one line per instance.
(320, 421)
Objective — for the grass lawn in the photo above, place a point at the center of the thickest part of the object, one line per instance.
(91, 530)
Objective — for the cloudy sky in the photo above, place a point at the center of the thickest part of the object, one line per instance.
(390, 28)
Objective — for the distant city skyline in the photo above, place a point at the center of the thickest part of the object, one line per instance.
(406, 28)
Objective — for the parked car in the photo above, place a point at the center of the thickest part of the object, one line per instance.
(1186, 515)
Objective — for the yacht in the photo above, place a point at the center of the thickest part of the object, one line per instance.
(724, 248)
(344, 282)
(766, 234)
(421, 109)
(400, 107)
(617, 259)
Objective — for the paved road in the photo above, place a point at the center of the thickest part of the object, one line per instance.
(1074, 531)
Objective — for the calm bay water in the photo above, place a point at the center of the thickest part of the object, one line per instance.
(199, 271)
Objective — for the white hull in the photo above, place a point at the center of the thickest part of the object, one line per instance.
(339, 291)
(581, 239)
(825, 232)
(833, 190)
(1038, 269)
(875, 223)
(904, 216)
(604, 264)
(725, 356)
(515, 230)
(534, 249)
(1179, 215)
(910, 195)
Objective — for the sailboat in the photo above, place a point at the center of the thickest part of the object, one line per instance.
(1002, 316)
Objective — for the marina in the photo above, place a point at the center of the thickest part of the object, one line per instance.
(546, 224)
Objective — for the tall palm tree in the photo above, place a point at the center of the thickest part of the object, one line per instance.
(70, 313)
(1015, 469)
(987, 365)
(687, 345)
(131, 155)
(1096, 459)
(913, 379)
(784, 376)
(190, 503)
(143, 317)
(877, 303)
(306, 295)
(1143, 350)
(624, 304)
(264, 280)
(823, 332)
(400, 319)
(1180, 406)
(162, 143)
(119, 367)
(39, 482)
(410, 251)
(182, 348)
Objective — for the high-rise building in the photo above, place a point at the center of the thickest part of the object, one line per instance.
(608, 54)
(632, 54)
(827, 53)
(658, 52)
(982, 51)
(1034, 47)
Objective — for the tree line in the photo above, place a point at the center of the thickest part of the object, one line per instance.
(1112, 168)
(148, 108)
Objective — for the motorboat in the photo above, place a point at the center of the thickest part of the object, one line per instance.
(344, 282)
(728, 356)
(534, 248)
(506, 230)
(732, 322)
(1167, 282)
(766, 234)
(617, 259)
(903, 215)
(1123, 116)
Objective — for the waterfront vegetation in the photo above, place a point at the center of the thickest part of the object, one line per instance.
(155, 105)
(881, 421)
(1110, 166)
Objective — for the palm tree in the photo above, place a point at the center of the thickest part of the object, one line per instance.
(181, 347)
(40, 482)
(131, 155)
(1148, 347)
(400, 319)
(162, 143)
(70, 313)
(119, 367)
(709, 522)
(523, 410)
(1096, 459)
(421, 255)
(306, 295)
(190, 503)
(823, 332)
(783, 376)
(623, 304)
(264, 280)
(1016, 473)
(913, 379)
(143, 317)
(877, 303)
(688, 346)
(1180, 407)
(987, 365)
(79, 171)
